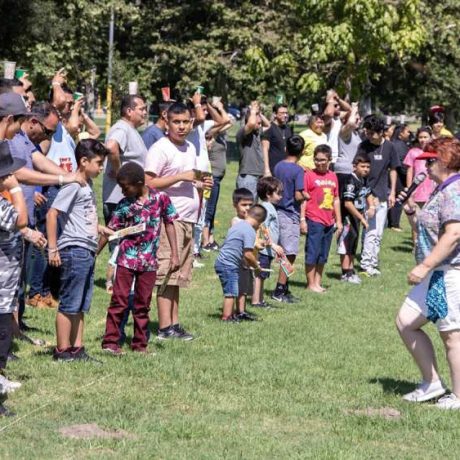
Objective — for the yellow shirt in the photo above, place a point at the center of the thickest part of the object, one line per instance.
(311, 141)
(446, 132)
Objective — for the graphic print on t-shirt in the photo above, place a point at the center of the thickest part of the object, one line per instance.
(328, 187)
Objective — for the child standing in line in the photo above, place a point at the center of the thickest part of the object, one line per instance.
(269, 191)
(238, 245)
(353, 200)
(13, 217)
(136, 260)
(75, 250)
(291, 222)
(322, 211)
(242, 200)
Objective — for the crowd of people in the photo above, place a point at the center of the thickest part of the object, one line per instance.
(160, 194)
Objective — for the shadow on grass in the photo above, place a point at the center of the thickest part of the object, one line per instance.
(393, 386)
(100, 283)
(333, 275)
(399, 248)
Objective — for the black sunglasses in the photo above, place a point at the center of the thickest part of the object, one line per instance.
(46, 131)
(430, 161)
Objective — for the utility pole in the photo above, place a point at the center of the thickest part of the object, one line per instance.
(108, 119)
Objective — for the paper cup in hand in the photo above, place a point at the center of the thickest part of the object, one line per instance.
(132, 88)
(9, 69)
(19, 73)
(216, 100)
(199, 89)
(166, 93)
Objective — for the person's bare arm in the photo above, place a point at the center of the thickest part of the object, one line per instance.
(30, 177)
(351, 208)
(251, 124)
(303, 220)
(338, 214)
(443, 248)
(160, 183)
(215, 115)
(171, 235)
(251, 258)
(59, 96)
(265, 121)
(73, 123)
(347, 128)
(45, 165)
(51, 231)
(199, 112)
(393, 180)
(17, 200)
(410, 176)
(265, 149)
(114, 156)
(93, 130)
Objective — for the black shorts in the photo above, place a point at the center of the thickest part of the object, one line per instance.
(349, 238)
(264, 262)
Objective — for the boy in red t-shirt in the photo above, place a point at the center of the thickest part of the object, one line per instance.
(322, 212)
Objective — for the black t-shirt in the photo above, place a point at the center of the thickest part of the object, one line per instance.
(277, 136)
(383, 157)
(355, 189)
(401, 150)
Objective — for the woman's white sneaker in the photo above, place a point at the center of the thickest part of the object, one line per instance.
(425, 391)
(448, 402)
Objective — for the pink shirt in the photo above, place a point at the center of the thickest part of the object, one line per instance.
(323, 189)
(424, 190)
(167, 159)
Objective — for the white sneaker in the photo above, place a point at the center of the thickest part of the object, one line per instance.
(370, 272)
(8, 386)
(197, 264)
(448, 402)
(426, 391)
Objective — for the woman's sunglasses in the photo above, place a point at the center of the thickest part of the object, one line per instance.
(430, 161)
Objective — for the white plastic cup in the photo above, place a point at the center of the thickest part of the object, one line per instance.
(9, 69)
(132, 88)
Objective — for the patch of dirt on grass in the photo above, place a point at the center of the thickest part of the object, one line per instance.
(387, 413)
(91, 430)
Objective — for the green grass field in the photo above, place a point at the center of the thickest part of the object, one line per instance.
(307, 381)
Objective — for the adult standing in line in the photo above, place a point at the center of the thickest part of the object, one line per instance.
(170, 167)
(349, 140)
(334, 112)
(383, 158)
(436, 278)
(251, 166)
(274, 139)
(400, 141)
(124, 144)
(156, 131)
(313, 136)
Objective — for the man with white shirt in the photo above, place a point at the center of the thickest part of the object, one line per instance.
(169, 166)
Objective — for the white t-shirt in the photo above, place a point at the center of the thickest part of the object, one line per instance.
(167, 159)
(333, 137)
(198, 138)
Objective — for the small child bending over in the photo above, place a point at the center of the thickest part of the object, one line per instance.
(136, 261)
(238, 244)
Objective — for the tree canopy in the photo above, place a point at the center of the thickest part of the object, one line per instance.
(246, 49)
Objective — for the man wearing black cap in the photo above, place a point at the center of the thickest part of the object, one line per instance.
(13, 217)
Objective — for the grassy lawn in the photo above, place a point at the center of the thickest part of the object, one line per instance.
(301, 383)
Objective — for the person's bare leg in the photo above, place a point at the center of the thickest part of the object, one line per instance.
(310, 272)
(76, 333)
(409, 323)
(227, 308)
(241, 303)
(257, 290)
(451, 341)
(175, 306)
(165, 306)
(346, 262)
(205, 237)
(319, 277)
(63, 330)
(15, 325)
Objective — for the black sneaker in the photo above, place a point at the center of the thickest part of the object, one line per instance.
(207, 247)
(282, 298)
(5, 412)
(181, 333)
(81, 355)
(231, 319)
(215, 246)
(166, 334)
(292, 298)
(262, 304)
(63, 356)
(245, 316)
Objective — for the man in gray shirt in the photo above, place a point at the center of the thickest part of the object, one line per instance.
(124, 144)
(250, 147)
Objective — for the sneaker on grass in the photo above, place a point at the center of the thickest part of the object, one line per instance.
(81, 355)
(282, 298)
(370, 272)
(351, 278)
(63, 356)
(425, 391)
(245, 316)
(448, 402)
(8, 386)
(181, 333)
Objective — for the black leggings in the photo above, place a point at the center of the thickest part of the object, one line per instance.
(6, 334)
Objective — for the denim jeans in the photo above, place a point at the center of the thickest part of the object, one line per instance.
(212, 203)
(198, 228)
(373, 238)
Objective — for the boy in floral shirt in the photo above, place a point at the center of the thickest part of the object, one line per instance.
(137, 254)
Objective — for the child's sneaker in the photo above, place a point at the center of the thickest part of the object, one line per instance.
(166, 334)
(197, 264)
(425, 391)
(370, 272)
(448, 402)
(113, 351)
(351, 278)
(8, 386)
(81, 355)
(63, 356)
(282, 298)
(245, 316)
(262, 304)
(230, 319)
(181, 333)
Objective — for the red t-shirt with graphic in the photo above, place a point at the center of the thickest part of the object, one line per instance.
(323, 189)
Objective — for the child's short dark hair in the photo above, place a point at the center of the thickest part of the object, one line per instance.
(241, 194)
(323, 148)
(178, 108)
(258, 212)
(267, 186)
(361, 157)
(295, 145)
(131, 173)
(90, 148)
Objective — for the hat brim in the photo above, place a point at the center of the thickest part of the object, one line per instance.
(427, 156)
(18, 163)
